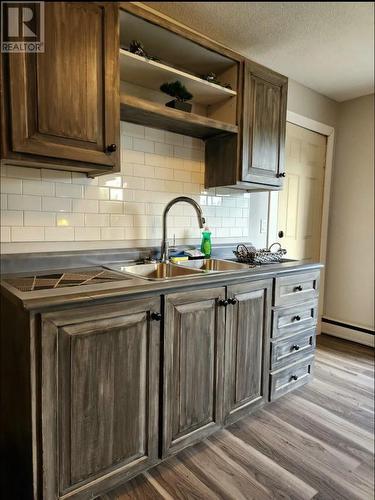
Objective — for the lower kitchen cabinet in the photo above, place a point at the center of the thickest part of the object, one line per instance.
(100, 396)
(247, 347)
(194, 329)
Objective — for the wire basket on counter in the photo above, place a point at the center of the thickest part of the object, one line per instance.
(250, 255)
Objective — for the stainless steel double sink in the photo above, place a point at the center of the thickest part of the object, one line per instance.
(167, 271)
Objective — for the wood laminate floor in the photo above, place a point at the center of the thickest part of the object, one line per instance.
(315, 443)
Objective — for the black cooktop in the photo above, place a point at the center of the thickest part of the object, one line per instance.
(62, 279)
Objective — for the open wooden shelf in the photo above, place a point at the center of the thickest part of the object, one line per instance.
(151, 74)
(136, 110)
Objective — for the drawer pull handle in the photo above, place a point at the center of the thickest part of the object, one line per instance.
(223, 303)
(232, 301)
(155, 316)
(296, 318)
(298, 288)
(294, 377)
(296, 347)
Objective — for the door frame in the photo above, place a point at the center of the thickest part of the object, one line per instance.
(329, 132)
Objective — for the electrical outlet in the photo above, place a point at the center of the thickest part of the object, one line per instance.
(263, 226)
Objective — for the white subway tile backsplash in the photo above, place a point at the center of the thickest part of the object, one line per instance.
(39, 219)
(24, 202)
(154, 134)
(56, 204)
(56, 175)
(156, 166)
(122, 220)
(70, 219)
(163, 149)
(69, 191)
(19, 234)
(38, 188)
(23, 172)
(11, 218)
(12, 186)
(85, 206)
(112, 233)
(95, 220)
(86, 233)
(143, 145)
(171, 138)
(110, 207)
(5, 234)
(59, 233)
(96, 193)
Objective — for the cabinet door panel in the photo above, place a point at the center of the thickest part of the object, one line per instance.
(107, 393)
(64, 103)
(265, 95)
(193, 364)
(247, 348)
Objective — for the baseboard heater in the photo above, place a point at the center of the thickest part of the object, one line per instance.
(347, 325)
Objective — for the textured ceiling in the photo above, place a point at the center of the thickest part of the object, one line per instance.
(327, 46)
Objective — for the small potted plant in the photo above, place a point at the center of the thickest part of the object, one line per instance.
(180, 93)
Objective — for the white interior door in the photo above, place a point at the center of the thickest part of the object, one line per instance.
(301, 200)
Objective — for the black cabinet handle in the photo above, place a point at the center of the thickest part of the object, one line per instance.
(232, 301)
(223, 302)
(298, 288)
(294, 377)
(156, 316)
(281, 174)
(280, 234)
(296, 318)
(111, 148)
(295, 347)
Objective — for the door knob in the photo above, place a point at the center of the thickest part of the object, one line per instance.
(281, 234)
(111, 148)
(156, 316)
(232, 301)
(281, 174)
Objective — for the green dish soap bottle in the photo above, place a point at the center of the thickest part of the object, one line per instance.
(206, 243)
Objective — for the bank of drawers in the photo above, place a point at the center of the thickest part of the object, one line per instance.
(294, 319)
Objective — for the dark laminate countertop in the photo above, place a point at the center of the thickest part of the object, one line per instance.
(39, 300)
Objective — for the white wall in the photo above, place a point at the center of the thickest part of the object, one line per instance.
(349, 295)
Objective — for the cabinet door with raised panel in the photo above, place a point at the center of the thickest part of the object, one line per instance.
(100, 380)
(247, 347)
(264, 123)
(63, 103)
(193, 366)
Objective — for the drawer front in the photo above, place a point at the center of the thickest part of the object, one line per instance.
(296, 287)
(290, 320)
(292, 349)
(291, 377)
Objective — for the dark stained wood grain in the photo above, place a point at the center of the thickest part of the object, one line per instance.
(247, 348)
(100, 396)
(193, 366)
(64, 103)
(136, 110)
(309, 444)
(265, 96)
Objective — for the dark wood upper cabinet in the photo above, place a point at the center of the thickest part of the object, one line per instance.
(193, 366)
(62, 106)
(247, 348)
(100, 395)
(264, 124)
